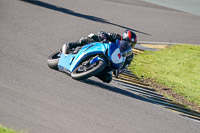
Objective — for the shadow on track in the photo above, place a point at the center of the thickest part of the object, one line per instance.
(151, 99)
(71, 12)
(114, 89)
(169, 105)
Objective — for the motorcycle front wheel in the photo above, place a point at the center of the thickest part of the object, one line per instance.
(84, 71)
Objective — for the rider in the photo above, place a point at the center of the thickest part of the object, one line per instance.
(127, 42)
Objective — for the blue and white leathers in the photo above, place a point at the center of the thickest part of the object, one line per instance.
(111, 52)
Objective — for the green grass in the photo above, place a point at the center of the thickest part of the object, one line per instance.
(177, 67)
(7, 130)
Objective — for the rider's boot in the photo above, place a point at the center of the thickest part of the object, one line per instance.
(107, 77)
(65, 48)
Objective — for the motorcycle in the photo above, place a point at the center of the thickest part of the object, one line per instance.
(93, 59)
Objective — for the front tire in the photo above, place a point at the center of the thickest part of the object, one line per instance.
(53, 60)
(96, 69)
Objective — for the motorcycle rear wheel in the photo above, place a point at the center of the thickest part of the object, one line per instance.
(53, 59)
(96, 69)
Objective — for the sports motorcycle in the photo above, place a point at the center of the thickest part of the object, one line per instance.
(93, 59)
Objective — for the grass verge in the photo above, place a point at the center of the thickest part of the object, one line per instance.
(7, 130)
(177, 67)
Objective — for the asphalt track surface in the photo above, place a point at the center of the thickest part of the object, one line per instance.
(37, 99)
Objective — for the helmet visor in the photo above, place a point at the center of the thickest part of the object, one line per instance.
(125, 48)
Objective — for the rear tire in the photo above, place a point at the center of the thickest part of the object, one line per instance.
(86, 74)
(53, 60)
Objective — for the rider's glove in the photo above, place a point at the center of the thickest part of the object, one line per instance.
(94, 37)
(115, 36)
(102, 35)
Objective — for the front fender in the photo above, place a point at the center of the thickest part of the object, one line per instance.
(96, 59)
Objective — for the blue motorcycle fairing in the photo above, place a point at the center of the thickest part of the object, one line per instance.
(65, 62)
(69, 62)
(114, 50)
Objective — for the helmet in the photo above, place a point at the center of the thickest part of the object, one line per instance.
(130, 36)
(128, 41)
